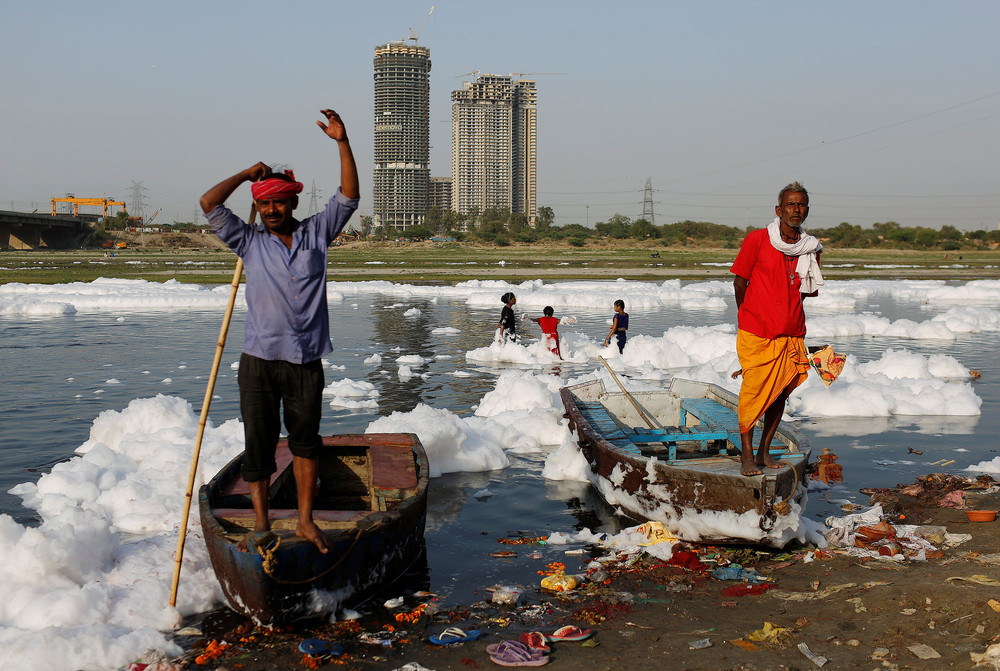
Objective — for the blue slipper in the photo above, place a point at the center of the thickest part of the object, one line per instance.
(454, 635)
(319, 647)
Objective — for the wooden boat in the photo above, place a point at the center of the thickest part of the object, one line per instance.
(676, 461)
(371, 504)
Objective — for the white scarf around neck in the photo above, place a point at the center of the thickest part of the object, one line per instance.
(806, 248)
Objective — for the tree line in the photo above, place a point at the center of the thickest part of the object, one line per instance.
(502, 227)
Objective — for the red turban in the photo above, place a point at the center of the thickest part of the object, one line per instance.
(276, 188)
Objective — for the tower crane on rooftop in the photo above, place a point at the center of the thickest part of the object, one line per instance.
(474, 73)
(416, 36)
(535, 74)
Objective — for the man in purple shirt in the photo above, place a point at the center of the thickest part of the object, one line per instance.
(288, 325)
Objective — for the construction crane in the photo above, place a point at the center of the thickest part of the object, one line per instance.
(416, 36)
(535, 74)
(94, 202)
(474, 73)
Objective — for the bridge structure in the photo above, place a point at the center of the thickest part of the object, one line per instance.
(24, 230)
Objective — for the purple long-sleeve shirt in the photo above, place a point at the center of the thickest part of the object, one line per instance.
(287, 317)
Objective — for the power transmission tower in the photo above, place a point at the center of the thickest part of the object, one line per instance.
(138, 205)
(313, 199)
(138, 200)
(647, 202)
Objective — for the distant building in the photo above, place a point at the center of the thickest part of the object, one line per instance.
(439, 195)
(402, 137)
(493, 146)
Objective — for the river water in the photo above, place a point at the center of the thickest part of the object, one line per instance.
(60, 371)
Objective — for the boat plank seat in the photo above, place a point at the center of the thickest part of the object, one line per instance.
(245, 516)
(671, 435)
(392, 469)
(240, 487)
(711, 412)
(599, 418)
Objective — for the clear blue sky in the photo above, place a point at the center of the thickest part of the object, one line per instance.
(884, 110)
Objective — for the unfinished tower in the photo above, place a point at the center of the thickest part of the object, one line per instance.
(493, 146)
(402, 136)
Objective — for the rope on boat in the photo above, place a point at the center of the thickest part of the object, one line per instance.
(270, 562)
(784, 507)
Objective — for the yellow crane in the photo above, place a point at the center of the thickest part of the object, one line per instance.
(93, 202)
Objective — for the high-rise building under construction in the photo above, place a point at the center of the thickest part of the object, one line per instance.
(493, 145)
(402, 135)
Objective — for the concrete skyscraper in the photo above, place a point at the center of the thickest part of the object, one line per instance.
(402, 135)
(493, 145)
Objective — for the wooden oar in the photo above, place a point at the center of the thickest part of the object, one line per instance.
(223, 332)
(646, 417)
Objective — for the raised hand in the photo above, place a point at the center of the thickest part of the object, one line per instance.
(334, 127)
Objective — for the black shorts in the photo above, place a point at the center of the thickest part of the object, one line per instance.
(266, 386)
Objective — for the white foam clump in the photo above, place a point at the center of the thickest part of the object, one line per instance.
(413, 312)
(120, 294)
(899, 383)
(446, 330)
(453, 444)
(839, 326)
(520, 414)
(990, 466)
(374, 360)
(352, 394)
(89, 587)
(528, 405)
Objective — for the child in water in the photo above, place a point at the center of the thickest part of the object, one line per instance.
(548, 324)
(507, 324)
(619, 325)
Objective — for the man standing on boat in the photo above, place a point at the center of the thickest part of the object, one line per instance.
(288, 324)
(776, 268)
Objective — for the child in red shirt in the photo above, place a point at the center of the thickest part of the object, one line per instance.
(548, 324)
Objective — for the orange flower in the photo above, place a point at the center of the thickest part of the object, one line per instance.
(213, 650)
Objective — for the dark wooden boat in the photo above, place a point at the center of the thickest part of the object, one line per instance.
(677, 462)
(371, 504)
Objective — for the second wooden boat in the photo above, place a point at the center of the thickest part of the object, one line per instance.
(672, 456)
(371, 504)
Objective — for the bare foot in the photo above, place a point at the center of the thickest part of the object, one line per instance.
(311, 532)
(768, 462)
(748, 467)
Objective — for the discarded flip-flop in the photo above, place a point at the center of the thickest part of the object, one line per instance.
(454, 635)
(317, 647)
(535, 640)
(570, 633)
(515, 653)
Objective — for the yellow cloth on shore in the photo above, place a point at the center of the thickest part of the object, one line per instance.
(769, 368)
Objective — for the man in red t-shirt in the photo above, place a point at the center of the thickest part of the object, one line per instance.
(775, 269)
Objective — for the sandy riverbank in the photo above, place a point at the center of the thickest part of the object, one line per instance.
(858, 613)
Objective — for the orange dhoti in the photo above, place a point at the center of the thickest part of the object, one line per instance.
(769, 368)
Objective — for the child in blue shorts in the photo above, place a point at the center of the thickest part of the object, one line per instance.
(619, 325)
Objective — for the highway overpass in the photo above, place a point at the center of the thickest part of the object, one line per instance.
(23, 230)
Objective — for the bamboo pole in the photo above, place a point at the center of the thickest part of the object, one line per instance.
(646, 417)
(223, 332)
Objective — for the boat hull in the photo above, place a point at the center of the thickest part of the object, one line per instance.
(375, 535)
(699, 495)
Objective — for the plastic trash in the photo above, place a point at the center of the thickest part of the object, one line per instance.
(818, 660)
(506, 595)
